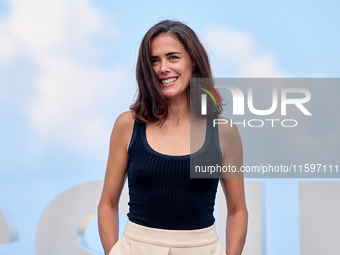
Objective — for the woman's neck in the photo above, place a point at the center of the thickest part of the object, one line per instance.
(178, 111)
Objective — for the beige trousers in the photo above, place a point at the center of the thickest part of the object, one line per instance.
(141, 240)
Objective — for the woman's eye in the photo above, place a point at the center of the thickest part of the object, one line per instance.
(153, 61)
(174, 58)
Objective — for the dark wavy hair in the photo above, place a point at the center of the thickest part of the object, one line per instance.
(150, 104)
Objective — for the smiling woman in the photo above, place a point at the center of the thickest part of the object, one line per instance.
(169, 212)
(181, 40)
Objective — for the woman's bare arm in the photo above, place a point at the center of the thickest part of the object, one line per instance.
(233, 187)
(108, 221)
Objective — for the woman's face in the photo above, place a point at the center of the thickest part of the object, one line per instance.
(172, 64)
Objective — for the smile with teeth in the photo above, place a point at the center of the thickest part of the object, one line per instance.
(168, 81)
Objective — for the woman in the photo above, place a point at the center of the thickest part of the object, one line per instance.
(170, 213)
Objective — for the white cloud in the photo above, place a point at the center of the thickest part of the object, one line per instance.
(237, 52)
(8, 49)
(71, 100)
(71, 94)
(46, 26)
(262, 66)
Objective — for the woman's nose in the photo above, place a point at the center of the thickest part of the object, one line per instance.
(165, 68)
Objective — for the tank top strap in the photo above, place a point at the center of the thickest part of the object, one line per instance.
(214, 135)
(135, 134)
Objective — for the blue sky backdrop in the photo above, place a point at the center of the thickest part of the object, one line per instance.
(67, 71)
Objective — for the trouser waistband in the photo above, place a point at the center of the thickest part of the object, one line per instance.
(171, 238)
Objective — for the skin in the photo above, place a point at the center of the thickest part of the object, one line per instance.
(171, 60)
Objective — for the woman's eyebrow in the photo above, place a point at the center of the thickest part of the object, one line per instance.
(171, 53)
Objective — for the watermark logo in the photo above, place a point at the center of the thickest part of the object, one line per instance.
(280, 127)
(281, 98)
(204, 97)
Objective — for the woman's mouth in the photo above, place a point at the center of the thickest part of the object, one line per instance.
(168, 81)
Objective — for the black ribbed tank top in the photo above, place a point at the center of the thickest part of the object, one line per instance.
(162, 194)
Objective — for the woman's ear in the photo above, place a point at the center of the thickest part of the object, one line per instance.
(193, 67)
(193, 71)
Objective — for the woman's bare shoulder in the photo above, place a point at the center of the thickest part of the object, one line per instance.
(226, 127)
(229, 136)
(125, 119)
(123, 126)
